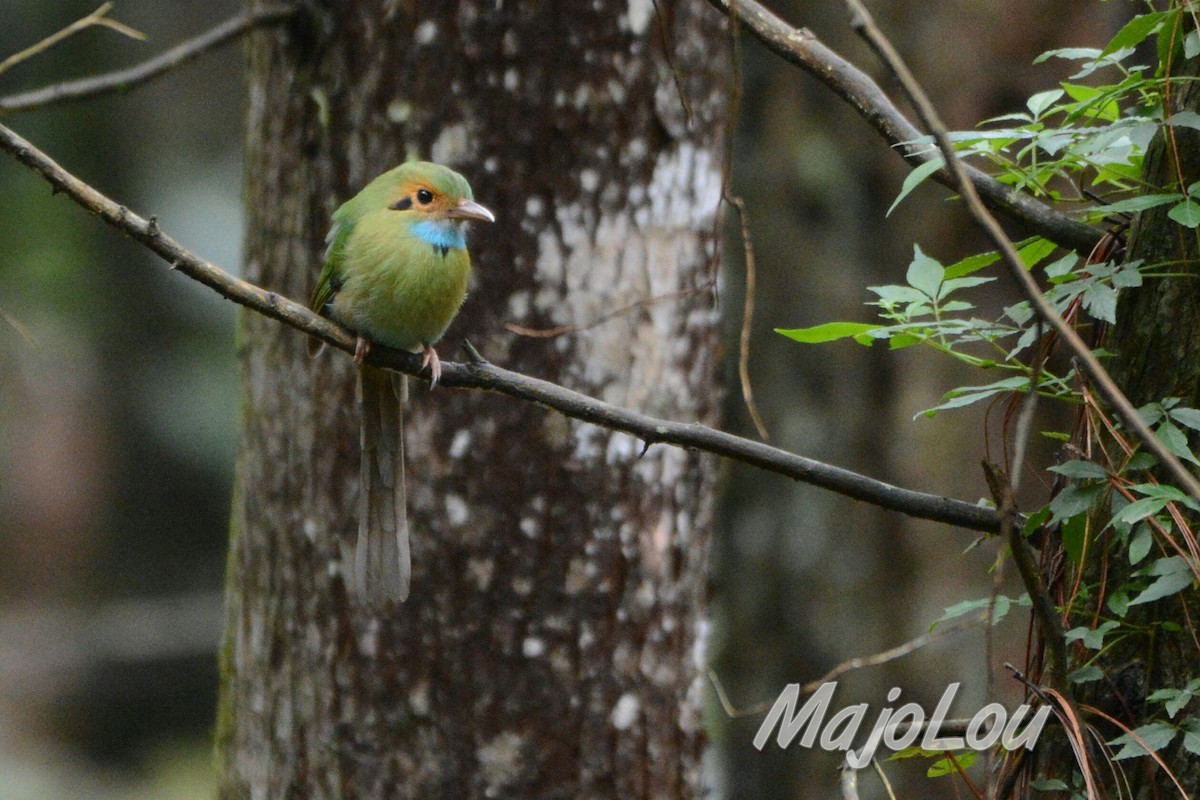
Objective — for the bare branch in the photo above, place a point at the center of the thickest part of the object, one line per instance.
(478, 374)
(800, 47)
(865, 26)
(850, 665)
(94, 19)
(125, 79)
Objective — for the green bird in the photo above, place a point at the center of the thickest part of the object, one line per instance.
(396, 272)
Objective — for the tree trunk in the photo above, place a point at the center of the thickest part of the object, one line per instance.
(1157, 345)
(550, 644)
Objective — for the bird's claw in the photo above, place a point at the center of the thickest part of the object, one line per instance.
(429, 358)
(362, 346)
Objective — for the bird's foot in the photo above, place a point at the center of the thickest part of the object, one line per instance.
(430, 359)
(362, 346)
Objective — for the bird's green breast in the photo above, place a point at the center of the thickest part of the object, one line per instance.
(396, 287)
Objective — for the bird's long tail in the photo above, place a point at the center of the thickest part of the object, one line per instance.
(382, 566)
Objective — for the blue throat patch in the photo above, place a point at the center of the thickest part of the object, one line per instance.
(445, 235)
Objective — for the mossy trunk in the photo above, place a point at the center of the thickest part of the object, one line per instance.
(549, 646)
(1157, 344)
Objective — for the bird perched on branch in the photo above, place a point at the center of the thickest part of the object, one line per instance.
(396, 273)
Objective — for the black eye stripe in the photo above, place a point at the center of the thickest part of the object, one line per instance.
(402, 204)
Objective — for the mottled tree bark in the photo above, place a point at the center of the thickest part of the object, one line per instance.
(550, 645)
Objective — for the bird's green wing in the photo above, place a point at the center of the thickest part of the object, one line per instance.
(330, 279)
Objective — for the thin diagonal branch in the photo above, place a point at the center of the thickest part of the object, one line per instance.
(865, 26)
(801, 48)
(97, 18)
(478, 374)
(850, 665)
(125, 79)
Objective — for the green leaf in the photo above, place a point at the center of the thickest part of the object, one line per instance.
(972, 263)
(829, 332)
(1141, 461)
(961, 609)
(1035, 250)
(945, 766)
(1074, 537)
(925, 274)
(915, 178)
(1139, 546)
(1140, 203)
(999, 611)
(1191, 45)
(1185, 119)
(1049, 785)
(1127, 277)
(1174, 576)
(1092, 638)
(1191, 728)
(1186, 416)
(1100, 300)
(1156, 736)
(1062, 266)
(1080, 470)
(966, 395)
(1186, 214)
(1085, 674)
(1173, 700)
(1135, 32)
(1072, 54)
(1176, 441)
(1140, 509)
(1043, 100)
(1118, 603)
(954, 284)
(1074, 500)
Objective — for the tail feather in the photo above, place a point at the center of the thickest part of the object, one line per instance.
(382, 564)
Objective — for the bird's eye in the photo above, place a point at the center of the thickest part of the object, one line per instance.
(424, 196)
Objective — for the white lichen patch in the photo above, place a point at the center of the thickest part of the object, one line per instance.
(418, 699)
(426, 32)
(622, 448)
(451, 145)
(531, 527)
(457, 510)
(625, 712)
(501, 761)
(627, 252)
(638, 16)
(589, 180)
(533, 647)
(460, 443)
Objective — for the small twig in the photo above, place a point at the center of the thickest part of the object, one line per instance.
(735, 104)
(860, 662)
(798, 46)
(492, 378)
(887, 785)
(747, 318)
(123, 80)
(562, 330)
(1043, 606)
(669, 55)
(865, 26)
(96, 18)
